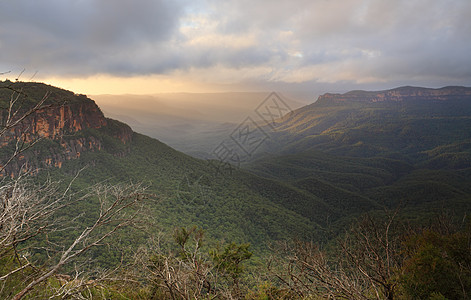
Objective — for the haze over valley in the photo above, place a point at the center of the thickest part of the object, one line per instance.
(194, 123)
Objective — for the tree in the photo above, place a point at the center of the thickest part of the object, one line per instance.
(372, 250)
(181, 273)
(380, 258)
(362, 265)
(30, 212)
(29, 215)
(228, 261)
(14, 112)
(438, 262)
(187, 272)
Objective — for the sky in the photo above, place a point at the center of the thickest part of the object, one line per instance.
(304, 46)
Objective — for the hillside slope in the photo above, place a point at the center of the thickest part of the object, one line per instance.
(402, 122)
(231, 204)
(330, 161)
(402, 146)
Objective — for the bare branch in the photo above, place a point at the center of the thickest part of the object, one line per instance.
(111, 218)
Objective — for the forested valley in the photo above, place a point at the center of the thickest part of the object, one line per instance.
(363, 195)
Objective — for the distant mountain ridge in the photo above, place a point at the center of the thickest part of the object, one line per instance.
(405, 93)
(407, 145)
(403, 121)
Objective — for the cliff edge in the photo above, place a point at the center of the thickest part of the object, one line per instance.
(66, 124)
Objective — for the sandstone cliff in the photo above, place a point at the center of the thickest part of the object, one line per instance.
(397, 95)
(67, 126)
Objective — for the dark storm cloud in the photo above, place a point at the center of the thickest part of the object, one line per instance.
(83, 36)
(385, 40)
(295, 41)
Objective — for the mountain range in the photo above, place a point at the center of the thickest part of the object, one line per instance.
(307, 173)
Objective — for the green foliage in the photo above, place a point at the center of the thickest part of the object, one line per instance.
(30, 93)
(437, 296)
(184, 269)
(190, 191)
(50, 289)
(13, 284)
(182, 237)
(229, 260)
(438, 264)
(377, 259)
(269, 291)
(368, 128)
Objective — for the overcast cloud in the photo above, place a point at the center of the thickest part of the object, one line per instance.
(292, 42)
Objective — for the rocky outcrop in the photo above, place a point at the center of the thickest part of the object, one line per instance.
(56, 121)
(66, 129)
(396, 95)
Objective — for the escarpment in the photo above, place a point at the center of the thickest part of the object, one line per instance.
(64, 127)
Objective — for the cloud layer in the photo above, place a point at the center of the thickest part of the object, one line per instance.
(297, 41)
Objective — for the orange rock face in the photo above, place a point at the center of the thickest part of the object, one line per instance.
(54, 122)
(397, 95)
(61, 124)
